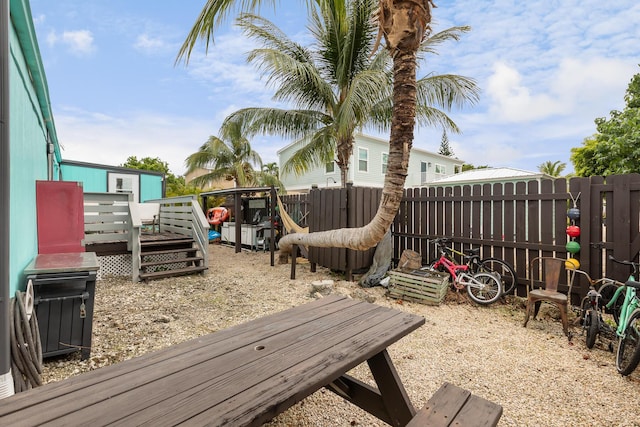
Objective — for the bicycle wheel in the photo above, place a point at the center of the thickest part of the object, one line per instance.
(628, 354)
(592, 325)
(488, 292)
(607, 291)
(507, 274)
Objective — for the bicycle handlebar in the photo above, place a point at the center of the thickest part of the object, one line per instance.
(440, 241)
(633, 265)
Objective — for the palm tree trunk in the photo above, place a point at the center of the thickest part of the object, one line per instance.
(404, 25)
(401, 141)
(345, 151)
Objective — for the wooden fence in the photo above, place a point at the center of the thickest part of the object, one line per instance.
(329, 209)
(513, 221)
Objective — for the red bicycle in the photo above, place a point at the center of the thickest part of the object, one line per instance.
(483, 287)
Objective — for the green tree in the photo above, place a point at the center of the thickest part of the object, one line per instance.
(404, 26)
(615, 148)
(337, 86)
(270, 177)
(174, 185)
(468, 167)
(445, 149)
(552, 168)
(146, 163)
(230, 158)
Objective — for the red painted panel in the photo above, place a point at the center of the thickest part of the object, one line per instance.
(60, 212)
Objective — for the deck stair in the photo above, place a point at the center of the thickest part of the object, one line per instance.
(164, 255)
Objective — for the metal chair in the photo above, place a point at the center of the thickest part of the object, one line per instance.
(552, 268)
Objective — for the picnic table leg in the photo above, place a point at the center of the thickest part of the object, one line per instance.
(394, 395)
(389, 402)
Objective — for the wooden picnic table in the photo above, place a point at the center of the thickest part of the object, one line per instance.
(244, 375)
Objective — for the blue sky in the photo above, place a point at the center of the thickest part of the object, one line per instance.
(546, 69)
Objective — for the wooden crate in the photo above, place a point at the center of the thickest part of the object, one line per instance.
(427, 287)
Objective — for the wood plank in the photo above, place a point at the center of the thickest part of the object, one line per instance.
(102, 385)
(454, 406)
(172, 272)
(175, 354)
(442, 407)
(254, 382)
(316, 372)
(478, 412)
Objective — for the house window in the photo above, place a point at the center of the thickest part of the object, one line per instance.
(441, 169)
(423, 171)
(124, 183)
(330, 167)
(363, 160)
(385, 162)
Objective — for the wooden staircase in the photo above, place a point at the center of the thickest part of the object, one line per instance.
(165, 255)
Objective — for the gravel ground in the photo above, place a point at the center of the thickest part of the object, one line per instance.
(538, 377)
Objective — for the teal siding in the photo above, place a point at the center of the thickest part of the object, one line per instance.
(93, 180)
(150, 187)
(28, 163)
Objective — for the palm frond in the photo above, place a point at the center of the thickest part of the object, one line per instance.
(316, 150)
(432, 117)
(213, 14)
(447, 91)
(430, 44)
(291, 124)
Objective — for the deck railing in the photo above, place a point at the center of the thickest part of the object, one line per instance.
(107, 218)
(183, 215)
(114, 217)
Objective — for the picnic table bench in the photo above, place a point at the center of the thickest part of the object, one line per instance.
(246, 375)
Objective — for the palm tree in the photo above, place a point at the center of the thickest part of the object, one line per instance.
(404, 26)
(269, 176)
(338, 86)
(552, 168)
(230, 158)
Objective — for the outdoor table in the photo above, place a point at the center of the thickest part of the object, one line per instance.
(244, 375)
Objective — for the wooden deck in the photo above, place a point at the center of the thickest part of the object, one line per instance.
(245, 375)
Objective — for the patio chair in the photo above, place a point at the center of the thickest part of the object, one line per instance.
(552, 268)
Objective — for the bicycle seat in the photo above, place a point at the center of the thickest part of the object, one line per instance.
(472, 251)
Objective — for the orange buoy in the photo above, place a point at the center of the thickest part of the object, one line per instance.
(217, 215)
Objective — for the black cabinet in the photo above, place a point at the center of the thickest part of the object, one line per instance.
(64, 308)
(64, 287)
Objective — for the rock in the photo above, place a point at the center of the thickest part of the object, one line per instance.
(362, 295)
(163, 319)
(323, 287)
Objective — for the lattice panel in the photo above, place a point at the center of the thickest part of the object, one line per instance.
(165, 257)
(114, 265)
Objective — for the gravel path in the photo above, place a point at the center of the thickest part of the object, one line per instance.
(538, 377)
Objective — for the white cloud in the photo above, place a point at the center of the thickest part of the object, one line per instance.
(512, 101)
(109, 139)
(148, 44)
(79, 42)
(39, 19)
(574, 87)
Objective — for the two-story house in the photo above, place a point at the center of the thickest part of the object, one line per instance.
(369, 166)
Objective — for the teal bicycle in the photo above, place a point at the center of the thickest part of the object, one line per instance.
(628, 330)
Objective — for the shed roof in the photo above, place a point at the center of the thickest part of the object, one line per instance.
(490, 174)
